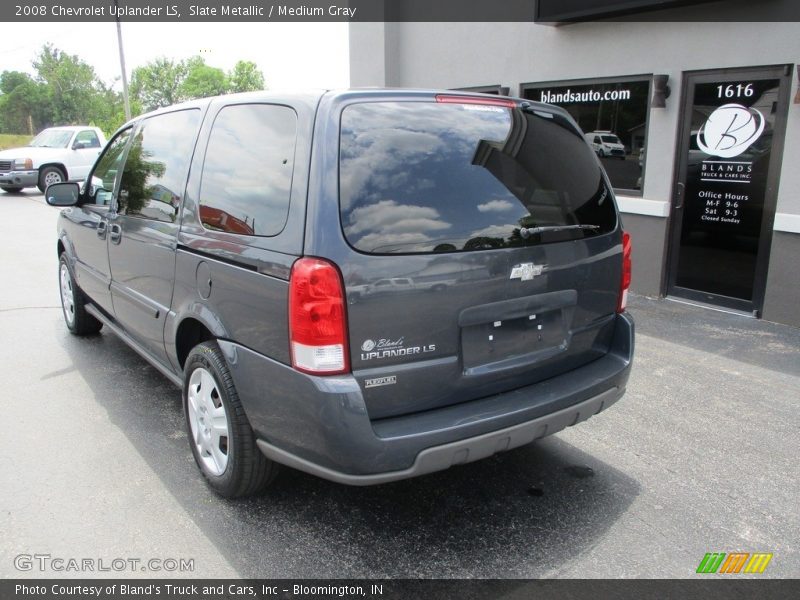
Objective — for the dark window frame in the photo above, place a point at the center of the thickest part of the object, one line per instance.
(85, 188)
(357, 248)
(636, 78)
(239, 235)
(135, 129)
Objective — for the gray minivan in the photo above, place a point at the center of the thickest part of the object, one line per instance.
(236, 243)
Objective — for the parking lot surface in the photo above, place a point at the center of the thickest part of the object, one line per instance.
(699, 456)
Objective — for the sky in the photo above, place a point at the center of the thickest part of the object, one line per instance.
(291, 55)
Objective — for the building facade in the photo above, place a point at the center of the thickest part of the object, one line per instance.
(696, 122)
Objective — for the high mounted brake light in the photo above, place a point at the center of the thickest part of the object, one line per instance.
(317, 319)
(505, 102)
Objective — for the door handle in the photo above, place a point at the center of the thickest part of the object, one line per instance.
(102, 228)
(681, 191)
(115, 233)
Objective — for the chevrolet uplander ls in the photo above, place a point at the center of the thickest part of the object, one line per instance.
(365, 285)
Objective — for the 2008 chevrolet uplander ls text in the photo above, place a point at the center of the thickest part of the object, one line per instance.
(236, 244)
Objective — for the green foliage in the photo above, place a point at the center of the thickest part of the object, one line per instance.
(158, 83)
(134, 185)
(22, 97)
(66, 91)
(245, 77)
(203, 81)
(164, 81)
(9, 80)
(72, 86)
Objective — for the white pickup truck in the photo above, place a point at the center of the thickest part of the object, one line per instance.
(56, 154)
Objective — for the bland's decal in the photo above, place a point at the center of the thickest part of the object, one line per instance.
(388, 348)
(730, 130)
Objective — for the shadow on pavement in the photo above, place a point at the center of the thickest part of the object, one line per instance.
(524, 513)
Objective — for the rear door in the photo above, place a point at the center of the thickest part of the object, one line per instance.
(142, 231)
(503, 219)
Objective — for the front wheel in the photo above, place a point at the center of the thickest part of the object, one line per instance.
(222, 441)
(601, 153)
(49, 176)
(73, 303)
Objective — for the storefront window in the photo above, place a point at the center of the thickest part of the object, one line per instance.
(613, 115)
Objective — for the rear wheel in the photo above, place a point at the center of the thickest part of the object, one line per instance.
(10, 190)
(222, 441)
(49, 176)
(73, 303)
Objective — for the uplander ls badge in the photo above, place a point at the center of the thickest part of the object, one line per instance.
(526, 271)
(388, 348)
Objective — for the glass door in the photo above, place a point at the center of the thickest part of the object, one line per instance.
(729, 157)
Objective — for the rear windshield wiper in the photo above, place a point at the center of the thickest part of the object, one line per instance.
(527, 232)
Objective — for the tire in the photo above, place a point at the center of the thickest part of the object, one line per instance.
(220, 436)
(601, 153)
(73, 302)
(49, 176)
(10, 190)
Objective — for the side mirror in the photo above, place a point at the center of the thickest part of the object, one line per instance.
(62, 194)
(80, 145)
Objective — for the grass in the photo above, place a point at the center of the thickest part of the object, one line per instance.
(8, 140)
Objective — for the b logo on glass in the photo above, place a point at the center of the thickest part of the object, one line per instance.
(730, 130)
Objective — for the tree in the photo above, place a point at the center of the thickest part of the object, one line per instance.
(158, 83)
(245, 77)
(203, 81)
(164, 82)
(10, 80)
(72, 85)
(23, 98)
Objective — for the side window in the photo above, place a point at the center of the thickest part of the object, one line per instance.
(247, 173)
(154, 175)
(86, 139)
(597, 139)
(101, 182)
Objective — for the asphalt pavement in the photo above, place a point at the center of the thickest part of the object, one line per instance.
(699, 456)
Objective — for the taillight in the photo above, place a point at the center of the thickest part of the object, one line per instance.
(625, 280)
(317, 320)
(454, 99)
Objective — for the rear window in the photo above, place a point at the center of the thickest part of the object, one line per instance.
(422, 177)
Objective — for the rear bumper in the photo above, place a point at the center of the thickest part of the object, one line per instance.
(320, 424)
(19, 178)
(471, 449)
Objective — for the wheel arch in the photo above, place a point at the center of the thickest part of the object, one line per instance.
(190, 332)
(60, 166)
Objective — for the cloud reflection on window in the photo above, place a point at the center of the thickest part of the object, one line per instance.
(247, 175)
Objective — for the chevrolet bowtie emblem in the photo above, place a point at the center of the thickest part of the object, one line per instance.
(526, 271)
